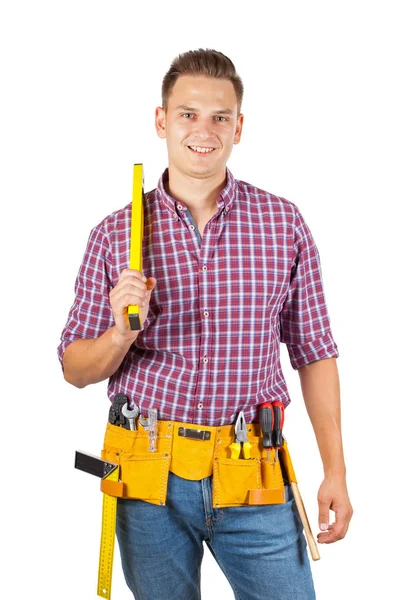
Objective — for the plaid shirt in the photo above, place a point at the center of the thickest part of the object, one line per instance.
(210, 345)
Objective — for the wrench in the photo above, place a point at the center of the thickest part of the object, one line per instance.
(131, 414)
(144, 421)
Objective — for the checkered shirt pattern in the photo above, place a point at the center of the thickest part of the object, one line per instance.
(223, 303)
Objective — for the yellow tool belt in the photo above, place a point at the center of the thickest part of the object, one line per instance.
(236, 482)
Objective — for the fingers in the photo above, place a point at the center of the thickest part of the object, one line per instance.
(128, 291)
(151, 283)
(323, 518)
(132, 273)
(138, 279)
(337, 530)
(132, 289)
(333, 496)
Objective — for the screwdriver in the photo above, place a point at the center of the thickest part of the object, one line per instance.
(278, 426)
(267, 425)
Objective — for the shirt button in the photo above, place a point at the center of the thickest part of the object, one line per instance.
(205, 360)
(180, 206)
(204, 267)
(206, 313)
(200, 405)
(191, 227)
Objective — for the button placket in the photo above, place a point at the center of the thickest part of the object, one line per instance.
(205, 281)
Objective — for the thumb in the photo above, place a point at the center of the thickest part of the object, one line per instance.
(151, 283)
(323, 518)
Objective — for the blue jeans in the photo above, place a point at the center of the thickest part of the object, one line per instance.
(261, 549)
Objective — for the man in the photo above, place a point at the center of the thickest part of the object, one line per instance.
(231, 271)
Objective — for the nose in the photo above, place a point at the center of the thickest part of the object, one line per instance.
(203, 129)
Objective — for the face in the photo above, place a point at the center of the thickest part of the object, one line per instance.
(200, 125)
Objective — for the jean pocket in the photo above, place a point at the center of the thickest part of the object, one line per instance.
(233, 479)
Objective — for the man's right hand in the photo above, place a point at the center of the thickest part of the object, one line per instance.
(132, 289)
(87, 361)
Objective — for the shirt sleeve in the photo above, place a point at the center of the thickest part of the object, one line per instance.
(304, 320)
(91, 314)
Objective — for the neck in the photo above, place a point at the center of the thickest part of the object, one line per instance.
(199, 194)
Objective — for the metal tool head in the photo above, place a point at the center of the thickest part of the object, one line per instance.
(130, 414)
(240, 428)
(144, 421)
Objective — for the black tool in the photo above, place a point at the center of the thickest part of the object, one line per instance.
(279, 417)
(115, 416)
(267, 425)
(93, 464)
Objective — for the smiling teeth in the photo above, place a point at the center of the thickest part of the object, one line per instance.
(199, 149)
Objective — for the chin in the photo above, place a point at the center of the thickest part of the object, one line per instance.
(201, 169)
(201, 172)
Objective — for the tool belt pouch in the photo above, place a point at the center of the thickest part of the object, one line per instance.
(144, 474)
(193, 453)
(252, 481)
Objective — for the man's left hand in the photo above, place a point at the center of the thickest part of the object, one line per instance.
(333, 495)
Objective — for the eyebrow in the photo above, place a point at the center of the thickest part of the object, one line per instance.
(225, 111)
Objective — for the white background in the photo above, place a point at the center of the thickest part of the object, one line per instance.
(80, 82)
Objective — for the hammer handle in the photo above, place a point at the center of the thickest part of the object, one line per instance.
(304, 519)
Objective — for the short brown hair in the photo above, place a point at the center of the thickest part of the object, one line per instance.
(202, 62)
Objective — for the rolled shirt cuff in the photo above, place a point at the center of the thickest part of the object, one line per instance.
(303, 354)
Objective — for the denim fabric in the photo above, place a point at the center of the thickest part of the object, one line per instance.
(260, 549)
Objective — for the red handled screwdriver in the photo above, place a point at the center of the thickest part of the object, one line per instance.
(279, 419)
(267, 425)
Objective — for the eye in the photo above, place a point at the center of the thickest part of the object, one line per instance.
(188, 115)
(220, 118)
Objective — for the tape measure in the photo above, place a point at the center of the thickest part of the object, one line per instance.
(137, 225)
(107, 541)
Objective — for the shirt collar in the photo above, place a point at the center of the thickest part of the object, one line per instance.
(224, 200)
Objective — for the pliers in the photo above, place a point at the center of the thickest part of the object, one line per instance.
(241, 438)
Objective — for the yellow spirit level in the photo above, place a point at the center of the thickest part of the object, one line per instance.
(137, 225)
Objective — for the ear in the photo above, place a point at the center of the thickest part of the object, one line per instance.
(238, 131)
(160, 122)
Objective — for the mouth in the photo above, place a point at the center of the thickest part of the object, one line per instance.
(201, 149)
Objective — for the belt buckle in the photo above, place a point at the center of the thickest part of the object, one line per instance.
(194, 434)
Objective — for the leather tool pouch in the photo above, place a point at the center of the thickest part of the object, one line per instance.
(243, 482)
(194, 452)
(144, 474)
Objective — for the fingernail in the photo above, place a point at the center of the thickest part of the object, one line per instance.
(324, 526)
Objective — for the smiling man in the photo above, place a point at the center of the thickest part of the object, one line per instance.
(229, 272)
(201, 121)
